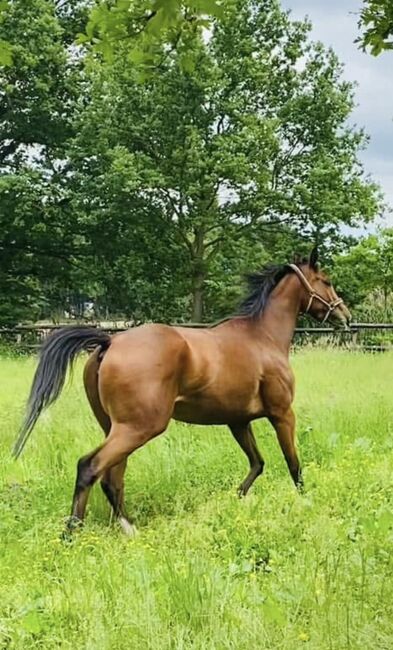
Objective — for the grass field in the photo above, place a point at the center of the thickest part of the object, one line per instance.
(207, 571)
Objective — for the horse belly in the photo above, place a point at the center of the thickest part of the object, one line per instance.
(200, 410)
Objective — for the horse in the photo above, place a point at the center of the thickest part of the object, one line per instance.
(230, 374)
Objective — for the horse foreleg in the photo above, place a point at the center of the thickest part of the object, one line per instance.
(245, 437)
(285, 429)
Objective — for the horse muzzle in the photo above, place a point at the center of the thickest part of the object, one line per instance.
(340, 318)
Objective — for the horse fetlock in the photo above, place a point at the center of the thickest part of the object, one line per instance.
(127, 527)
(259, 469)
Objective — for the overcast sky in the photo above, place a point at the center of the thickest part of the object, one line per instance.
(335, 24)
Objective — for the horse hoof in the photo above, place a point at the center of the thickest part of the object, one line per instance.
(129, 529)
(66, 536)
(73, 523)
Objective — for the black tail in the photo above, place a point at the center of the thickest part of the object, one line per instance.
(58, 351)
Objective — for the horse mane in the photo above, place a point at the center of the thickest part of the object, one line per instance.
(260, 286)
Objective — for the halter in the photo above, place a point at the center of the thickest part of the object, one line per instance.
(331, 306)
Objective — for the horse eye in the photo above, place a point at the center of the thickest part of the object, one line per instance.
(327, 282)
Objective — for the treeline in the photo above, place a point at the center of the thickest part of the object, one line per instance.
(148, 190)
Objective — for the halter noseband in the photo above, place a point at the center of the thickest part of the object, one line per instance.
(331, 306)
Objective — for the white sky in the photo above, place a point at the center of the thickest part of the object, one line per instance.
(335, 24)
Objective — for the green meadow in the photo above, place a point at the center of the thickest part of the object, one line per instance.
(207, 571)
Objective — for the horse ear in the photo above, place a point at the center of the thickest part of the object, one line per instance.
(297, 259)
(313, 259)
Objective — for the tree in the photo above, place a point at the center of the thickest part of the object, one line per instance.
(38, 233)
(144, 26)
(150, 196)
(376, 21)
(5, 46)
(367, 270)
(242, 136)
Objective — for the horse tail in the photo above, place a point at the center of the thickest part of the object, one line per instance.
(56, 354)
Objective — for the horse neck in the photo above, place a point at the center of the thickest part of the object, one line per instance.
(279, 317)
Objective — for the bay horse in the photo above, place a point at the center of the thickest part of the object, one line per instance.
(230, 373)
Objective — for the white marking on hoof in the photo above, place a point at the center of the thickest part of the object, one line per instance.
(129, 529)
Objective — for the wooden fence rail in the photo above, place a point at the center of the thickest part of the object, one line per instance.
(355, 327)
(359, 337)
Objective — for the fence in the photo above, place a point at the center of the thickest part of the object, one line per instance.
(366, 336)
(375, 337)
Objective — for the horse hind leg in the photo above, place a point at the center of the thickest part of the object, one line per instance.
(122, 441)
(112, 484)
(112, 481)
(90, 380)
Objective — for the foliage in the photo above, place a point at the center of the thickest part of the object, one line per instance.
(38, 234)
(151, 199)
(5, 46)
(149, 29)
(248, 140)
(376, 21)
(207, 570)
(365, 276)
(145, 26)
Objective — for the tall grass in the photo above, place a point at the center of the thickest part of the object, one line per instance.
(207, 571)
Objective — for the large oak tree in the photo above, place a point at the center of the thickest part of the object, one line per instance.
(242, 133)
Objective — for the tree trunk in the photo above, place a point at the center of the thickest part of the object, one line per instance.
(385, 299)
(197, 297)
(198, 277)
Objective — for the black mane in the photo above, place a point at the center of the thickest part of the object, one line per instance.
(260, 285)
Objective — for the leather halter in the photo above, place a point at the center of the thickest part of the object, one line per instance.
(331, 306)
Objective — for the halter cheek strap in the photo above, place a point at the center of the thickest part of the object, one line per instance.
(331, 306)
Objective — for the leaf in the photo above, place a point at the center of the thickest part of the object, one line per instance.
(187, 62)
(5, 53)
(122, 5)
(105, 48)
(377, 19)
(81, 38)
(157, 23)
(137, 55)
(99, 18)
(209, 7)
(143, 75)
(169, 6)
